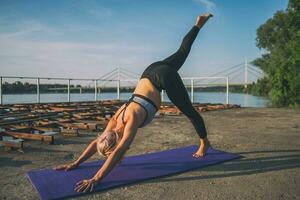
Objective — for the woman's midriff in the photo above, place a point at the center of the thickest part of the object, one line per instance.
(147, 89)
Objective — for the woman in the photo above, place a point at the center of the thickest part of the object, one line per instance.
(141, 108)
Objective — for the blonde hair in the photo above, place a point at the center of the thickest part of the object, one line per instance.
(107, 142)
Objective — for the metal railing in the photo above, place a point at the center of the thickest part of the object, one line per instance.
(226, 78)
(96, 86)
(38, 79)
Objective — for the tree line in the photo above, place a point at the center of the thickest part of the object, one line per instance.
(279, 37)
(19, 87)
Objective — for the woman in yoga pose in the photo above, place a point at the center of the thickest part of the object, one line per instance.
(141, 109)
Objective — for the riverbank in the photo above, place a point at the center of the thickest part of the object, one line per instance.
(267, 138)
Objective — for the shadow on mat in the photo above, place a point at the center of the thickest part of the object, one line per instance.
(247, 166)
(9, 162)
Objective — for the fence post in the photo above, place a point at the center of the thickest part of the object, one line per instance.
(38, 90)
(118, 89)
(192, 90)
(1, 92)
(162, 95)
(69, 96)
(227, 90)
(96, 90)
(99, 90)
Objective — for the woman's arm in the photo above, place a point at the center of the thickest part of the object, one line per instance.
(87, 153)
(113, 159)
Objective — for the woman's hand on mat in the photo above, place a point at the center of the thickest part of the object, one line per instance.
(86, 185)
(66, 167)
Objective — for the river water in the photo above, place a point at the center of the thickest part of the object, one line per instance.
(245, 100)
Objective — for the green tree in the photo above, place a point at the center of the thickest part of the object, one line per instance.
(280, 38)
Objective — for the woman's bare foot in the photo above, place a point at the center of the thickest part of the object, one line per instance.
(201, 20)
(204, 144)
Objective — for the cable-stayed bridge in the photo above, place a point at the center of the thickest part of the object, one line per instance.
(240, 74)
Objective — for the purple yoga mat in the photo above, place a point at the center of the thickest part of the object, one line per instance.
(51, 184)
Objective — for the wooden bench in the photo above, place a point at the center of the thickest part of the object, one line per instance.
(47, 137)
(10, 142)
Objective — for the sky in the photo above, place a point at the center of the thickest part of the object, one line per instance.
(89, 38)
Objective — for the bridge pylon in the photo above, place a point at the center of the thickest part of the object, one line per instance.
(246, 75)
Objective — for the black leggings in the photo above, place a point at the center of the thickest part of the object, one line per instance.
(164, 76)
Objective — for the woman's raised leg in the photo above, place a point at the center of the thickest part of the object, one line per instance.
(177, 59)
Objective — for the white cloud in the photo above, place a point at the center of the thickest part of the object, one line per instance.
(21, 54)
(32, 48)
(208, 4)
(27, 28)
